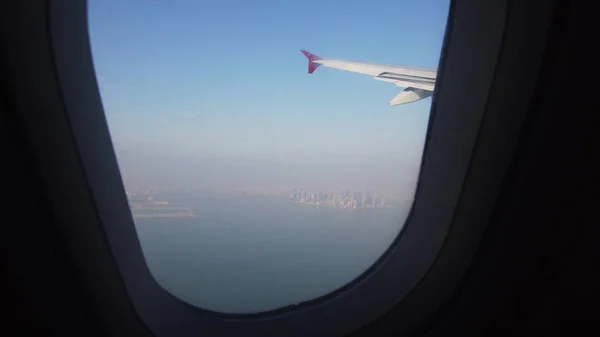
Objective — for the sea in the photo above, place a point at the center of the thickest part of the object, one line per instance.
(248, 254)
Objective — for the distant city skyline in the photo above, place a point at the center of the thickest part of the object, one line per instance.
(343, 199)
(305, 194)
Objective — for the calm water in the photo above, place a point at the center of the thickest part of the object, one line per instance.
(249, 254)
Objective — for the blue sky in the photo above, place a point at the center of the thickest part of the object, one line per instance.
(207, 79)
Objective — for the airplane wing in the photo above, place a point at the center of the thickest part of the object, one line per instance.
(418, 82)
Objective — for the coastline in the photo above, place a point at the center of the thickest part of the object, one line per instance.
(162, 212)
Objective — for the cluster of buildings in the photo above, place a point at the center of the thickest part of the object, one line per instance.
(343, 199)
(144, 205)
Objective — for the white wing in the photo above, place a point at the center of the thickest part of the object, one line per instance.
(419, 82)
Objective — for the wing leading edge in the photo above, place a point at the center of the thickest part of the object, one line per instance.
(419, 83)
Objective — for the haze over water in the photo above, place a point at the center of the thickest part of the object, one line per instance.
(256, 253)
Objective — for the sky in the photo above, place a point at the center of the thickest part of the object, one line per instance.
(216, 93)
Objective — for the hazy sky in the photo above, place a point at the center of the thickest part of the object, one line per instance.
(216, 93)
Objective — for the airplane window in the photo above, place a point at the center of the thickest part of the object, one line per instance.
(252, 183)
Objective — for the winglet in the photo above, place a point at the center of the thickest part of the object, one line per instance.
(312, 66)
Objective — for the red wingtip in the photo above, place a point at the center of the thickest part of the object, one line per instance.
(312, 66)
